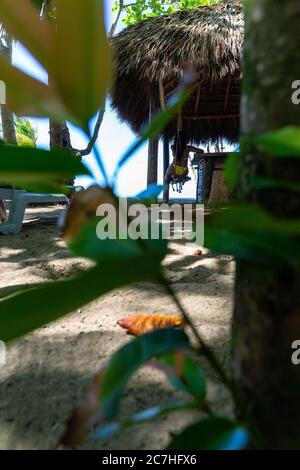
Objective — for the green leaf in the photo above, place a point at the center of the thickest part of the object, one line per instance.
(255, 219)
(174, 105)
(158, 124)
(283, 142)
(232, 171)
(211, 434)
(43, 187)
(20, 165)
(151, 193)
(149, 196)
(89, 245)
(191, 380)
(38, 3)
(22, 21)
(250, 232)
(31, 309)
(29, 97)
(80, 60)
(132, 356)
(149, 414)
(260, 182)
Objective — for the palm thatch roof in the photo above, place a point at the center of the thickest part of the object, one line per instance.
(149, 57)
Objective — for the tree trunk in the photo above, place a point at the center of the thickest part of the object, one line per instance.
(60, 139)
(8, 125)
(55, 132)
(7, 117)
(267, 308)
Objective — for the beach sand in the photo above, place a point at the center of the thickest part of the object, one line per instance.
(49, 371)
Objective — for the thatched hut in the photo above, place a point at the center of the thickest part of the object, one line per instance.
(149, 58)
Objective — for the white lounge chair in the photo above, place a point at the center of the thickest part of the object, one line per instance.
(18, 201)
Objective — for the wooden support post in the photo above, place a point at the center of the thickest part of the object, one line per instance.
(166, 163)
(166, 154)
(161, 94)
(227, 94)
(152, 161)
(198, 98)
(152, 152)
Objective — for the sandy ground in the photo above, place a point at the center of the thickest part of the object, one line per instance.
(49, 372)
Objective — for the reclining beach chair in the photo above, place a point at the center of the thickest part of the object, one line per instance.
(18, 201)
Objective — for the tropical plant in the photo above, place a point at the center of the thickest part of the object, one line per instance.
(265, 242)
(7, 117)
(142, 9)
(26, 132)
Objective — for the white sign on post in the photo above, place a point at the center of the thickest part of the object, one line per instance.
(2, 92)
(2, 353)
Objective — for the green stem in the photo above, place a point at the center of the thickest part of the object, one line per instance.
(216, 365)
(207, 409)
(204, 348)
(101, 165)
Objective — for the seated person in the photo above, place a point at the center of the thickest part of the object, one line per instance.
(179, 166)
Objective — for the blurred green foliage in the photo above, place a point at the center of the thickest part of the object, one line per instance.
(142, 9)
(80, 76)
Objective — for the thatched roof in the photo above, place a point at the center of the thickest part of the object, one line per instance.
(149, 57)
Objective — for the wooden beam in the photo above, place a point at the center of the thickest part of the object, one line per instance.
(199, 117)
(173, 89)
(215, 97)
(166, 154)
(152, 151)
(166, 164)
(152, 161)
(179, 121)
(161, 94)
(198, 98)
(227, 94)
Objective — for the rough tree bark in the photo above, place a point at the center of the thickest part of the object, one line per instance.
(7, 117)
(59, 134)
(267, 310)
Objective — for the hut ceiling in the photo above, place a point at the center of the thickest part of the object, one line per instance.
(149, 57)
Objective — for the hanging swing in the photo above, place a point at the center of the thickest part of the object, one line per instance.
(178, 183)
(181, 177)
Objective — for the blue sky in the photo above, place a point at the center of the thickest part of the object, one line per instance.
(114, 137)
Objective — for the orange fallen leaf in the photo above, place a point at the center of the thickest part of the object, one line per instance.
(138, 325)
